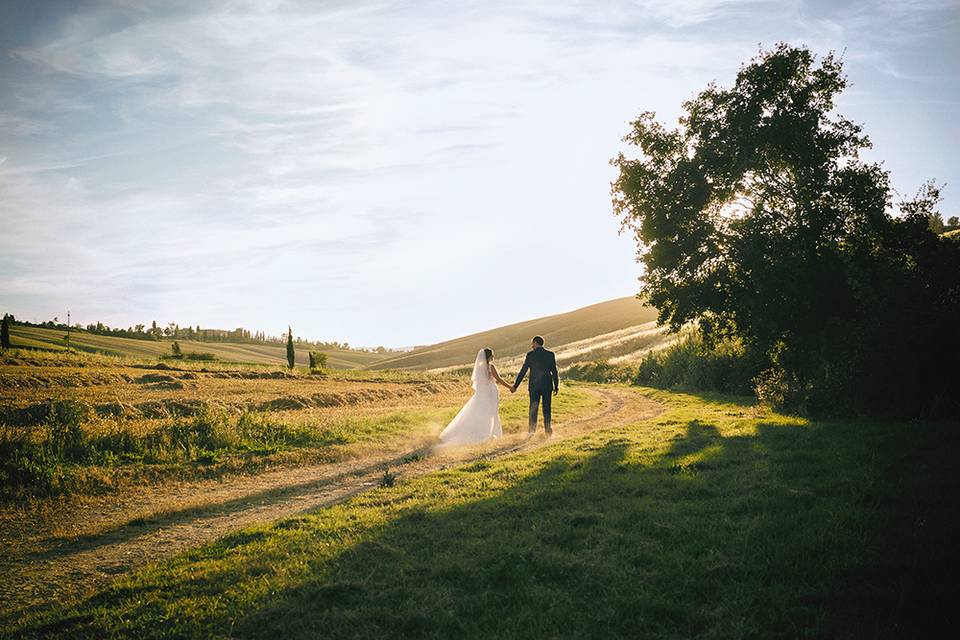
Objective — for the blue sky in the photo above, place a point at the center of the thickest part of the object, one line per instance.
(388, 173)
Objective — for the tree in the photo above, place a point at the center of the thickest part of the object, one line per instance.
(318, 361)
(175, 350)
(5, 331)
(290, 353)
(756, 220)
(954, 221)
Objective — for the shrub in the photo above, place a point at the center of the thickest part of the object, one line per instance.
(259, 430)
(65, 431)
(318, 361)
(26, 464)
(600, 371)
(204, 355)
(727, 367)
(206, 431)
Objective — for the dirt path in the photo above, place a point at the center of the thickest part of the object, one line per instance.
(168, 519)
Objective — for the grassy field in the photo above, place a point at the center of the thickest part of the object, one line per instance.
(609, 329)
(265, 354)
(716, 519)
(80, 423)
(618, 329)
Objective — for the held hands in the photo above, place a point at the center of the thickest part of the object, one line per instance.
(513, 389)
(556, 391)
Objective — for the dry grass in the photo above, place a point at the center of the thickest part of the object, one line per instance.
(81, 423)
(514, 340)
(128, 389)
(266, 354)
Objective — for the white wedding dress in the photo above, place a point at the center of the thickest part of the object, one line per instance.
(479, 419)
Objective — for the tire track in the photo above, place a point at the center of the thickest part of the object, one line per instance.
(67, 569)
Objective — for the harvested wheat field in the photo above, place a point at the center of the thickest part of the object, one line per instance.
(111, 462)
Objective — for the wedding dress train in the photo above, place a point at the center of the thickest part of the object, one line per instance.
(479, 419)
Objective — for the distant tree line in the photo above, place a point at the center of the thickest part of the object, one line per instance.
(173, 331)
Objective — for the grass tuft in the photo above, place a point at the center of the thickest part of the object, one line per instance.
(714, 520)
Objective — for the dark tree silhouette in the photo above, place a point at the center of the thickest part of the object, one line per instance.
(5, 332)
(290, 353)
(756, 219)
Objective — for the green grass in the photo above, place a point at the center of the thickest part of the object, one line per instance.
(75, 451)
(714, 520)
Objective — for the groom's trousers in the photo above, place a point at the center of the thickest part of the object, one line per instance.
(536, 396)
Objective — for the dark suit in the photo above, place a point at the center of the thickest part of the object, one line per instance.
(544, 378)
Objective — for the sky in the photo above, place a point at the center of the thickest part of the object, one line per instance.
(392, 173)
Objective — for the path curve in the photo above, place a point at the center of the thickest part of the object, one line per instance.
(66, 568)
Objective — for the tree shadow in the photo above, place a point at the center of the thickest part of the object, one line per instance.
(598, 546)
(788, 531)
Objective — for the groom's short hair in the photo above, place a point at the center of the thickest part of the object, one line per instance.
(538, 340)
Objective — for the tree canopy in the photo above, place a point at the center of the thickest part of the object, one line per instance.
(757, 219)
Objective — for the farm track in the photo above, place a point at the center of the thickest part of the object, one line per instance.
(168, 519)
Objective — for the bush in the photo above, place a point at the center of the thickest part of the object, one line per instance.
(33, 461)
(206, 431)
(600, 371)
(318, 361)
(198, 355)
(257, 430)
(727, 367)
(25, 463)
(65, 431)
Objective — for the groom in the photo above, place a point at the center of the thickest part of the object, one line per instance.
(543, 376)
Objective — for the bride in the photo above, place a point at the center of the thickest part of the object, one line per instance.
(479, 419)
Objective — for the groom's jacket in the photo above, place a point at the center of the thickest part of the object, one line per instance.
(542, 365)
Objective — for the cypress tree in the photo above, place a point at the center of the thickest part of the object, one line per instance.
(290, 354)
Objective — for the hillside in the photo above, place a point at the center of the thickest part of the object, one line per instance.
(268, 354)
(614, 329)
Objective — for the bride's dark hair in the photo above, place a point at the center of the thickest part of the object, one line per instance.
(489, 354)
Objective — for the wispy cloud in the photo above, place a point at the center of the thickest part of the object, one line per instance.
(339, 160)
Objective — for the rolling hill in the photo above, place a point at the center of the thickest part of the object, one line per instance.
(618, 329)
(267, 354)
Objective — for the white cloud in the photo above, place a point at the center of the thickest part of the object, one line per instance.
(341, 160)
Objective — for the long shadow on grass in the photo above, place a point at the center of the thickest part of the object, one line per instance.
(794, 531)
(140, 527)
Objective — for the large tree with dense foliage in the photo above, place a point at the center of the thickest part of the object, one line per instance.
(757, 219)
